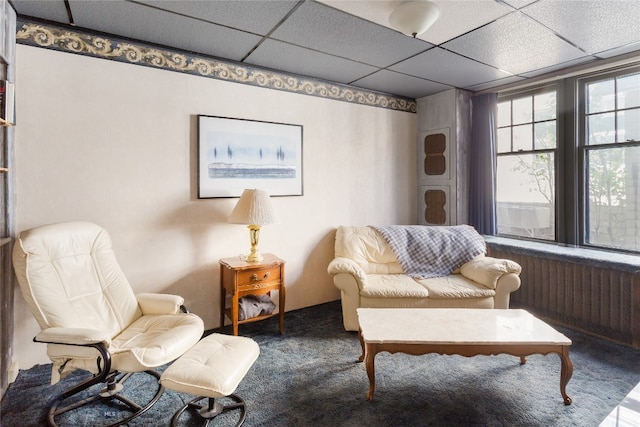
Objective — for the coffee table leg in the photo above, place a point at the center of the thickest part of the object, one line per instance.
(361, 358)
(369, 357)
(566, 371)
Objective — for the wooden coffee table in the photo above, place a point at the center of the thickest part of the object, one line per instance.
(462, 331)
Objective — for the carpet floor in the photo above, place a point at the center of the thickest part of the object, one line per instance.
(310, 377)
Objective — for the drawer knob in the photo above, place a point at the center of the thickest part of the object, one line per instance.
(254, 277)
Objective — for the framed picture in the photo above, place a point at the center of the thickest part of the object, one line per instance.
(235, 154)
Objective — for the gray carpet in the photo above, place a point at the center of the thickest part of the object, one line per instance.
(309, 377)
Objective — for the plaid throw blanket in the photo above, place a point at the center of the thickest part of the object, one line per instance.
(432, 251)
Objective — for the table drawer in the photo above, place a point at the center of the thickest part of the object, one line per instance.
(259, 277)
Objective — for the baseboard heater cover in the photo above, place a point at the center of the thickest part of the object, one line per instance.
(597, 297)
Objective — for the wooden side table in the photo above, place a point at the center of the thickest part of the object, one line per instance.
(239, 278)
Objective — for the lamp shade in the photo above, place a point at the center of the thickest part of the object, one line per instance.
(414, 17)
(254, 207)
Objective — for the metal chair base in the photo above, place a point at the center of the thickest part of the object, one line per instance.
(212, 409)
(114, 386)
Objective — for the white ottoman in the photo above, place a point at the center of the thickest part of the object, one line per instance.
(212, 369)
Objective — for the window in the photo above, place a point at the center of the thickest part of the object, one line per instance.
(526, 182)
(568, 161)
(610, 151)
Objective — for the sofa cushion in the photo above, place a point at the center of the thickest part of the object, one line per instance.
(455, 286)
(487, 270)
(393, 286)
(367, 248)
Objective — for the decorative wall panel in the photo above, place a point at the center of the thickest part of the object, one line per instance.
(435, 177)
(434, 149)
(444, 125)
(435, 205)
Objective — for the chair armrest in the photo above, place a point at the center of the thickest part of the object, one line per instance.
(345, 265)
(82, 337)
(159, 303)
(487, 270)
(73, 336)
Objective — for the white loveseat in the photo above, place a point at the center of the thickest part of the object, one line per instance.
(368, 274)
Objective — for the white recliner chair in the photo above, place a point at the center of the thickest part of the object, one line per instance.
(90, 317)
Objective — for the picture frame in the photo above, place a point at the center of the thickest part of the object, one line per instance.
(235, 154)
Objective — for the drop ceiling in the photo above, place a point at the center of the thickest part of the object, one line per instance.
(474, 45)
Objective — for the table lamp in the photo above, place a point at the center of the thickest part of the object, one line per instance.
(254, 208)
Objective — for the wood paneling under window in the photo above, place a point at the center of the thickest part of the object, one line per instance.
(596, 299)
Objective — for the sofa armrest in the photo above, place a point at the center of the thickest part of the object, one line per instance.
(507, 283)
(345, 265)
(159, 303)
(349, 278)
(488, 270)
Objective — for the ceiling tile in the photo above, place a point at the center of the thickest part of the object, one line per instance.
(371, 10)
(480, 42)
(449, 68)
(594, 26)
(460, 17)
(557, 67)
(494, 83)
(518, 4)
(294, 59)
(514, 44)
(400, 84)
(633, 47)
(325, 29)
(253, 16)
(54, 10)
(152, 25)
(456, 16)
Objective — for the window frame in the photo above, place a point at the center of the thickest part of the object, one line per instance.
(532, 92)
(582, 148)
(571, 174)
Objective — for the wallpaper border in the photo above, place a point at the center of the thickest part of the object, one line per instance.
(73, 40)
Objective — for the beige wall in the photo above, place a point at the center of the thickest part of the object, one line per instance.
(114, 143)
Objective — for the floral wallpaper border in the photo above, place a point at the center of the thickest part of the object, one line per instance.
(108, 47)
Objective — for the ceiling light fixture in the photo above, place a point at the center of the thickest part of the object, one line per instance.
(414, 17)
